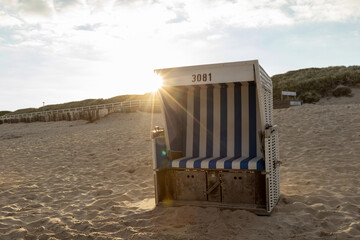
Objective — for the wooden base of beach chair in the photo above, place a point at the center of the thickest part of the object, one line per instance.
(228, 189)
(249, 207)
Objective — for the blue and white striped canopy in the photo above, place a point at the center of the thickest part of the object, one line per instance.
(214, 125)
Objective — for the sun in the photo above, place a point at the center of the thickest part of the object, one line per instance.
(156, 83)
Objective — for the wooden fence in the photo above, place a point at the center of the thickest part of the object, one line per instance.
(90, 113)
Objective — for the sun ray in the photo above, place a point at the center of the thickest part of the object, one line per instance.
(182, 107)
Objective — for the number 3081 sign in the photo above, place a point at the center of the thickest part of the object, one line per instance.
(205, 77)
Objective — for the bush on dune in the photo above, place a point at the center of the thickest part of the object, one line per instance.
(342, 90)
(4, 112)
(310, 97)
(311, 84)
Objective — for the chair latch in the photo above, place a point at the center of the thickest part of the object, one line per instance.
(270, 130)
(277, 163)
(213, 187)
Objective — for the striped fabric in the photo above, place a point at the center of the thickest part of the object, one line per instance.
(220, 128)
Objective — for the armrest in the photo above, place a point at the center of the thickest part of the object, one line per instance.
(160, 157)
(157, 132)
(172, 155)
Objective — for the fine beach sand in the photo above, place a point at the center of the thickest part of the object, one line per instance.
(79, 180)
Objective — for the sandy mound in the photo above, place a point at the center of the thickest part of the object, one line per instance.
(342, 100)
(74, 180)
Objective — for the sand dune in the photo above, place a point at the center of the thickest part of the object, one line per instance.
(79, 180)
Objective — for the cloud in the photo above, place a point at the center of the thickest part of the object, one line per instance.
(8, 21)
(103, 29)
(192, 14)
(112, 29)
(63, 4)
(88, 27)
(180, 14)
(326, 10)
(37, 8)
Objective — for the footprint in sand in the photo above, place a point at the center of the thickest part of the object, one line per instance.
(31, 207)
(131, 170)
(46, 199)
(103, 192)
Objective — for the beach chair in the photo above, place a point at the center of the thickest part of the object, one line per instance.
(219, 145)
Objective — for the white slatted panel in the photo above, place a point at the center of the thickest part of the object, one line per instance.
(271, 144)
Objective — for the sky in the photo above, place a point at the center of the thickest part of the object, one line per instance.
(57, 51)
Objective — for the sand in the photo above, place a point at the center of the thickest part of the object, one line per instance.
(79, 180)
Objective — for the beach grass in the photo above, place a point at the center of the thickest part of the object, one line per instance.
(312, 84)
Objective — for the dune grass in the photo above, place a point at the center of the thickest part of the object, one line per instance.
(4, 112)
(311, 84)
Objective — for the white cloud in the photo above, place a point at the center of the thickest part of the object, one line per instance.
(121, 29)
(42, 8)
(214, 37)
(61, 5)
(118, 26)
(326, 10)
(8, 21)
(191, 15)
(9, 5)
